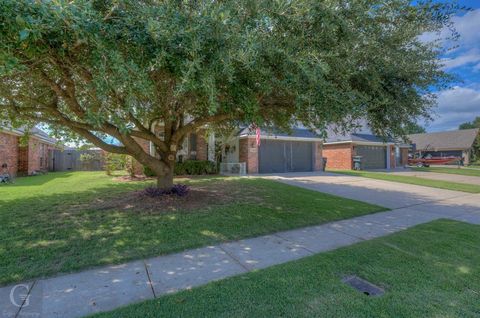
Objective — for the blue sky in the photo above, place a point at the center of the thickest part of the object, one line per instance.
(462, 102)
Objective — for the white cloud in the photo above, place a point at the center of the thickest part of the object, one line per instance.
(456, 106)
(467, 26)
(468, 58)
(460, 104)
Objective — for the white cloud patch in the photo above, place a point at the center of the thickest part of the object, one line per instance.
(471, 57)
(460, 104)
(467, 26)
(465, 51)
(456, 106)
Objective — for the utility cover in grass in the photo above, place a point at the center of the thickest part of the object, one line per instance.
(363, 286)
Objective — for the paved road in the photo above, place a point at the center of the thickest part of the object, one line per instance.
(107, 288)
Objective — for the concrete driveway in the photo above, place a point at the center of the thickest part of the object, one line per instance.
(389, 194)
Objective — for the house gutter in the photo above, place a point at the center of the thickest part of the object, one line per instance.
(287, 138)
(363, 143)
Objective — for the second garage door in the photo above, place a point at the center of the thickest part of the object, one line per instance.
(373, 157)
(285, 156)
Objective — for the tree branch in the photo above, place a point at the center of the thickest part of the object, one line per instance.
(99, 142)
(197, 123)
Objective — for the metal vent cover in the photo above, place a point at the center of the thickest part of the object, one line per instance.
(363, 286)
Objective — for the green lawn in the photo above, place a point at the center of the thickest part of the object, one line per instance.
(461, 171)
(464, 187)
(427, 271)
(59, 222)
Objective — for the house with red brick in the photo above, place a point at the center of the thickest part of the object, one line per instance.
(25, 158)
(374, 152)
(299, 150)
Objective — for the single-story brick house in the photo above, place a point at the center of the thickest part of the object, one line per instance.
(300, 150)
(278, 152)
(297, 151)
(376, 153)
(28, 158)
(457, 143)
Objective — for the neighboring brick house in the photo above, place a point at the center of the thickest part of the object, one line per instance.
(376, 153)
(25, 158)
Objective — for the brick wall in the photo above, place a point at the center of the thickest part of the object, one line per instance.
(38, 155)
(318, 156)
(339, 156)
(9, 152)
(22, 167)
(248, 153)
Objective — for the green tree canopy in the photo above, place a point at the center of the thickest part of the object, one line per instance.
(95, 68)
(414, 128)
(471, 124)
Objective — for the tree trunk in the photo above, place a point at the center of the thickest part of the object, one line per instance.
(165, 182)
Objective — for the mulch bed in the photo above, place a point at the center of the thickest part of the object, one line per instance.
(132, 178)
(199, 197)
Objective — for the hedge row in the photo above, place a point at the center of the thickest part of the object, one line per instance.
(188, 167)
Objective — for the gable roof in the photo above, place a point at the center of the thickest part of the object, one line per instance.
(34, 132)
(445, 140)
(361, 134)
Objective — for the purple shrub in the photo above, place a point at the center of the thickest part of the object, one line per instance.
(153, 192)
(178, 189)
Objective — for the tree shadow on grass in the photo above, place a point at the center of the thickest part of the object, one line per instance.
(45, 234)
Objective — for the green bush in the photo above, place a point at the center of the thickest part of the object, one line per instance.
(195, 167)
(114, 162)
(148, 172)
(188, 167)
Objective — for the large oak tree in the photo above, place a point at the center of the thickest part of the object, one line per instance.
(94, 68)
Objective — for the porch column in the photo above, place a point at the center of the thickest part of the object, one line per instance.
(389, 154)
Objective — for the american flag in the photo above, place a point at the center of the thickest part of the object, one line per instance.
(257, 131)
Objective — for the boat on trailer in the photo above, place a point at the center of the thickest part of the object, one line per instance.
(423, 159)
(426, 162)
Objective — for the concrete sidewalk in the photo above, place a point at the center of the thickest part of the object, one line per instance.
(107, 288)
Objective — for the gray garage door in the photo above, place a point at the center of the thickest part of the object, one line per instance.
(285, 156)
(374, 157)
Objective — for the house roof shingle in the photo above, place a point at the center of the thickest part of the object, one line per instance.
(35, 132)
(445, 140)
(361, 134)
